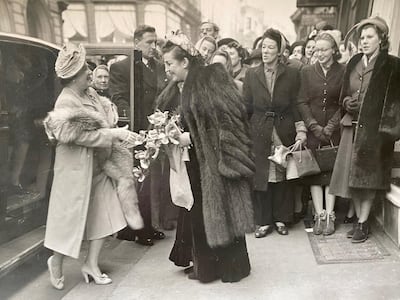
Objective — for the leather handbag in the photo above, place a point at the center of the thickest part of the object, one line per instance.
(326, 157)
(301, 163)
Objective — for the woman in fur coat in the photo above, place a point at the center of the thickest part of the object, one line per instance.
(371, 123)
(220, 166)
(93, 183)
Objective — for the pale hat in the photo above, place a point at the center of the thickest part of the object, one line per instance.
(70, 60)
(180, 39)
(357, 28)
(335, 34)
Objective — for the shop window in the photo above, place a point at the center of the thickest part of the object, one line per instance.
(74, 23)
(27, 93)
(115, 23)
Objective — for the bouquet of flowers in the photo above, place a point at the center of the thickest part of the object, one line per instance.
(165, 130)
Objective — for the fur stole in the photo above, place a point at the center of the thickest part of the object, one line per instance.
(71, 123)
(217, 121)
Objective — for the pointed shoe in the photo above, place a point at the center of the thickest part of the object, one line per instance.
(58, 283)
(100, 280)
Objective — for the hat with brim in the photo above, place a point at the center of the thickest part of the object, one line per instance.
(255, 54)
(70, 61)
(377, 21)
(226, 41)
(335, 34)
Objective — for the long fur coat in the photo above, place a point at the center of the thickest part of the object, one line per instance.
(117, 162)
(216, 117)
(378, 123)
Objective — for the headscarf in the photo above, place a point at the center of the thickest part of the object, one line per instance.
(276, 36)
(70, 60)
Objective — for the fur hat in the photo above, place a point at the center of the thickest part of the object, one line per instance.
(70, 60)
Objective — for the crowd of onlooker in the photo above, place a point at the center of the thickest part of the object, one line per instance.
(262, 130)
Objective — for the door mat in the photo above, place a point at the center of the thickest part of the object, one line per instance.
(337, 248)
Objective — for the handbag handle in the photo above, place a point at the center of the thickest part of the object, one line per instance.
(330, 141)
(294, 147)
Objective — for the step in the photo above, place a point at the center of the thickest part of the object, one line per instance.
(19, 250)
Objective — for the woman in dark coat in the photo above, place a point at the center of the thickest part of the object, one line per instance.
(371, 123)
(270, 92)
(220, 167)
(318, 104)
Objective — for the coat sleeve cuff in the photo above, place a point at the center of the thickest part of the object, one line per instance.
(300, 126)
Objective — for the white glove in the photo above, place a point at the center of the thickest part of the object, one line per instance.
(184, 139)
(125, 136)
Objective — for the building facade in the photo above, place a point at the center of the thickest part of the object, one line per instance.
(98, 21)
(36, 18)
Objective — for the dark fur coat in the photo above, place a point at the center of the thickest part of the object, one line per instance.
(378, 123)
(216, 117)
(117, 162)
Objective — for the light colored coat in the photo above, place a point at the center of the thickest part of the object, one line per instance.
(73, 174)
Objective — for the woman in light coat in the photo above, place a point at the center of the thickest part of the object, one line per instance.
(89, 181)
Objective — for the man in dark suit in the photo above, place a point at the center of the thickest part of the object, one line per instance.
(150, 79)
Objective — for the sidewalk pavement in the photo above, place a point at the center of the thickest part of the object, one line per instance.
(283, 267)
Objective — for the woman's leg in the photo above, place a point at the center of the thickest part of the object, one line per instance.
(92, 260)
(329, 201)
(317, 195)
(365, 198)
(317, 198)
(57, 264)
(330, 213)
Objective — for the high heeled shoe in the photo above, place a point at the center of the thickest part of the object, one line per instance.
(58, 283)
(101, 280)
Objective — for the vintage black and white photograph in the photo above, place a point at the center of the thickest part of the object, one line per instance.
(199, 149)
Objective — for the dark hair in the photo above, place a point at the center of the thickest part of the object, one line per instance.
(384, 45)
(180, 54)
(327, 37)
(274, 35)
(298, 43)
(240, 50)
(226, 55)
(141, 30)
(65, 81)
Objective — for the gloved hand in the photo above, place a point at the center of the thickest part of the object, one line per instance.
(351, 104)
(126, 137)
(317, 131)
(184, 139)
(328, 131)
(301, 136)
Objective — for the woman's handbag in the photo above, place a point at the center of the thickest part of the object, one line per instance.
(326, 157)
(179, 183)
(279, 157)
(301, 163)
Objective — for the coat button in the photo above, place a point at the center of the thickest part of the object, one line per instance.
(360, 126)
(360, 78)
(325, 92)
(325, 83)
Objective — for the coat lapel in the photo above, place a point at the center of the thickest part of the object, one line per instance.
(261, 76)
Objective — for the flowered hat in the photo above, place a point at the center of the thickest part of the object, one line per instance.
(180, 39)
(70, 60)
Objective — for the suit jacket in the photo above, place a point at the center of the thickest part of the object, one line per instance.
(267, 111)
(148, 84)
